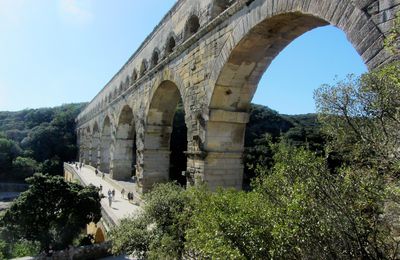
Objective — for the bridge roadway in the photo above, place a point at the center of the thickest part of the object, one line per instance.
(120, 207)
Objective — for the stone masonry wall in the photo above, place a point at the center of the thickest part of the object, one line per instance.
(215, 70)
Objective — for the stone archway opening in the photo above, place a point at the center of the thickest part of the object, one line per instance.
(192, 26)
(170, 46)
(154, 58)
(253, 54)
(99, 236)
(164, 156)
(95, 145)
(81, 142)
(143, 68)
(87, 153)
(219, 6)
(234, 89)
(123, 156)
(105, 145)
(178, 147)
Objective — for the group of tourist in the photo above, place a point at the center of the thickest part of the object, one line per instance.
(111, 196)
(78, 167)
(110, 193)
(129, 195)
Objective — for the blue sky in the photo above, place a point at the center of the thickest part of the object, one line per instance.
(62, 51)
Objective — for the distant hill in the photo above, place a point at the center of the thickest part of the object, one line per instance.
(296, 129)
(267, 126)
(17, 124)
(41, 139)
(37, 140)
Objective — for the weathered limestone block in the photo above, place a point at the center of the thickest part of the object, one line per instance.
(223, 170)
(122, 159)
(95, 150)
(155, 168)
(105, 154)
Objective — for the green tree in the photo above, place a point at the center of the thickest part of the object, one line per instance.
(362, 118)
(228, 225)
(24, 167)
(52, 211)
(9, 150)
(46, 135)
(132, 236)
(159, 232)
(297, 210)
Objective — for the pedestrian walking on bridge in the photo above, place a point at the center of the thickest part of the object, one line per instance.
(110, 197)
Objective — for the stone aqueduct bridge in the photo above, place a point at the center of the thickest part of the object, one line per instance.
(211, 55)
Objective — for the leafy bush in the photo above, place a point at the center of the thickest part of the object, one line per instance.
(25, 248)
(159, 231)
(298, 209)
(132, 236)
(52, 212)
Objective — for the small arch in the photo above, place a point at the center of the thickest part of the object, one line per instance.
(192, 26)
(134, 76)
(109, 97)
(95, 128)
(86, 154)
(95, 145)
(123, 157)
(127, 83)
(143, 68)
(219, 6)
(121, 88)
(154, 58)
(99, 236)
(170, 46)
(126, 116)
(105, 145)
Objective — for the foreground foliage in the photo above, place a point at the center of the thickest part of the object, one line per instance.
(362, 117)
(296, 210)
(51, 212)
(159, 231)
(341, 203)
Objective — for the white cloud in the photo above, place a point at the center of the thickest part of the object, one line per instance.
(76, 12)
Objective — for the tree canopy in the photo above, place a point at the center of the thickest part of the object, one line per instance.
(52, 212)
(41, 139)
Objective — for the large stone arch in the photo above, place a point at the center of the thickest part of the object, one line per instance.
(95, 145)
(80, 142)
(87, 154)
(123, 154)
(267, 27)
(105, 145)
(261, 31)
(160, 112)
